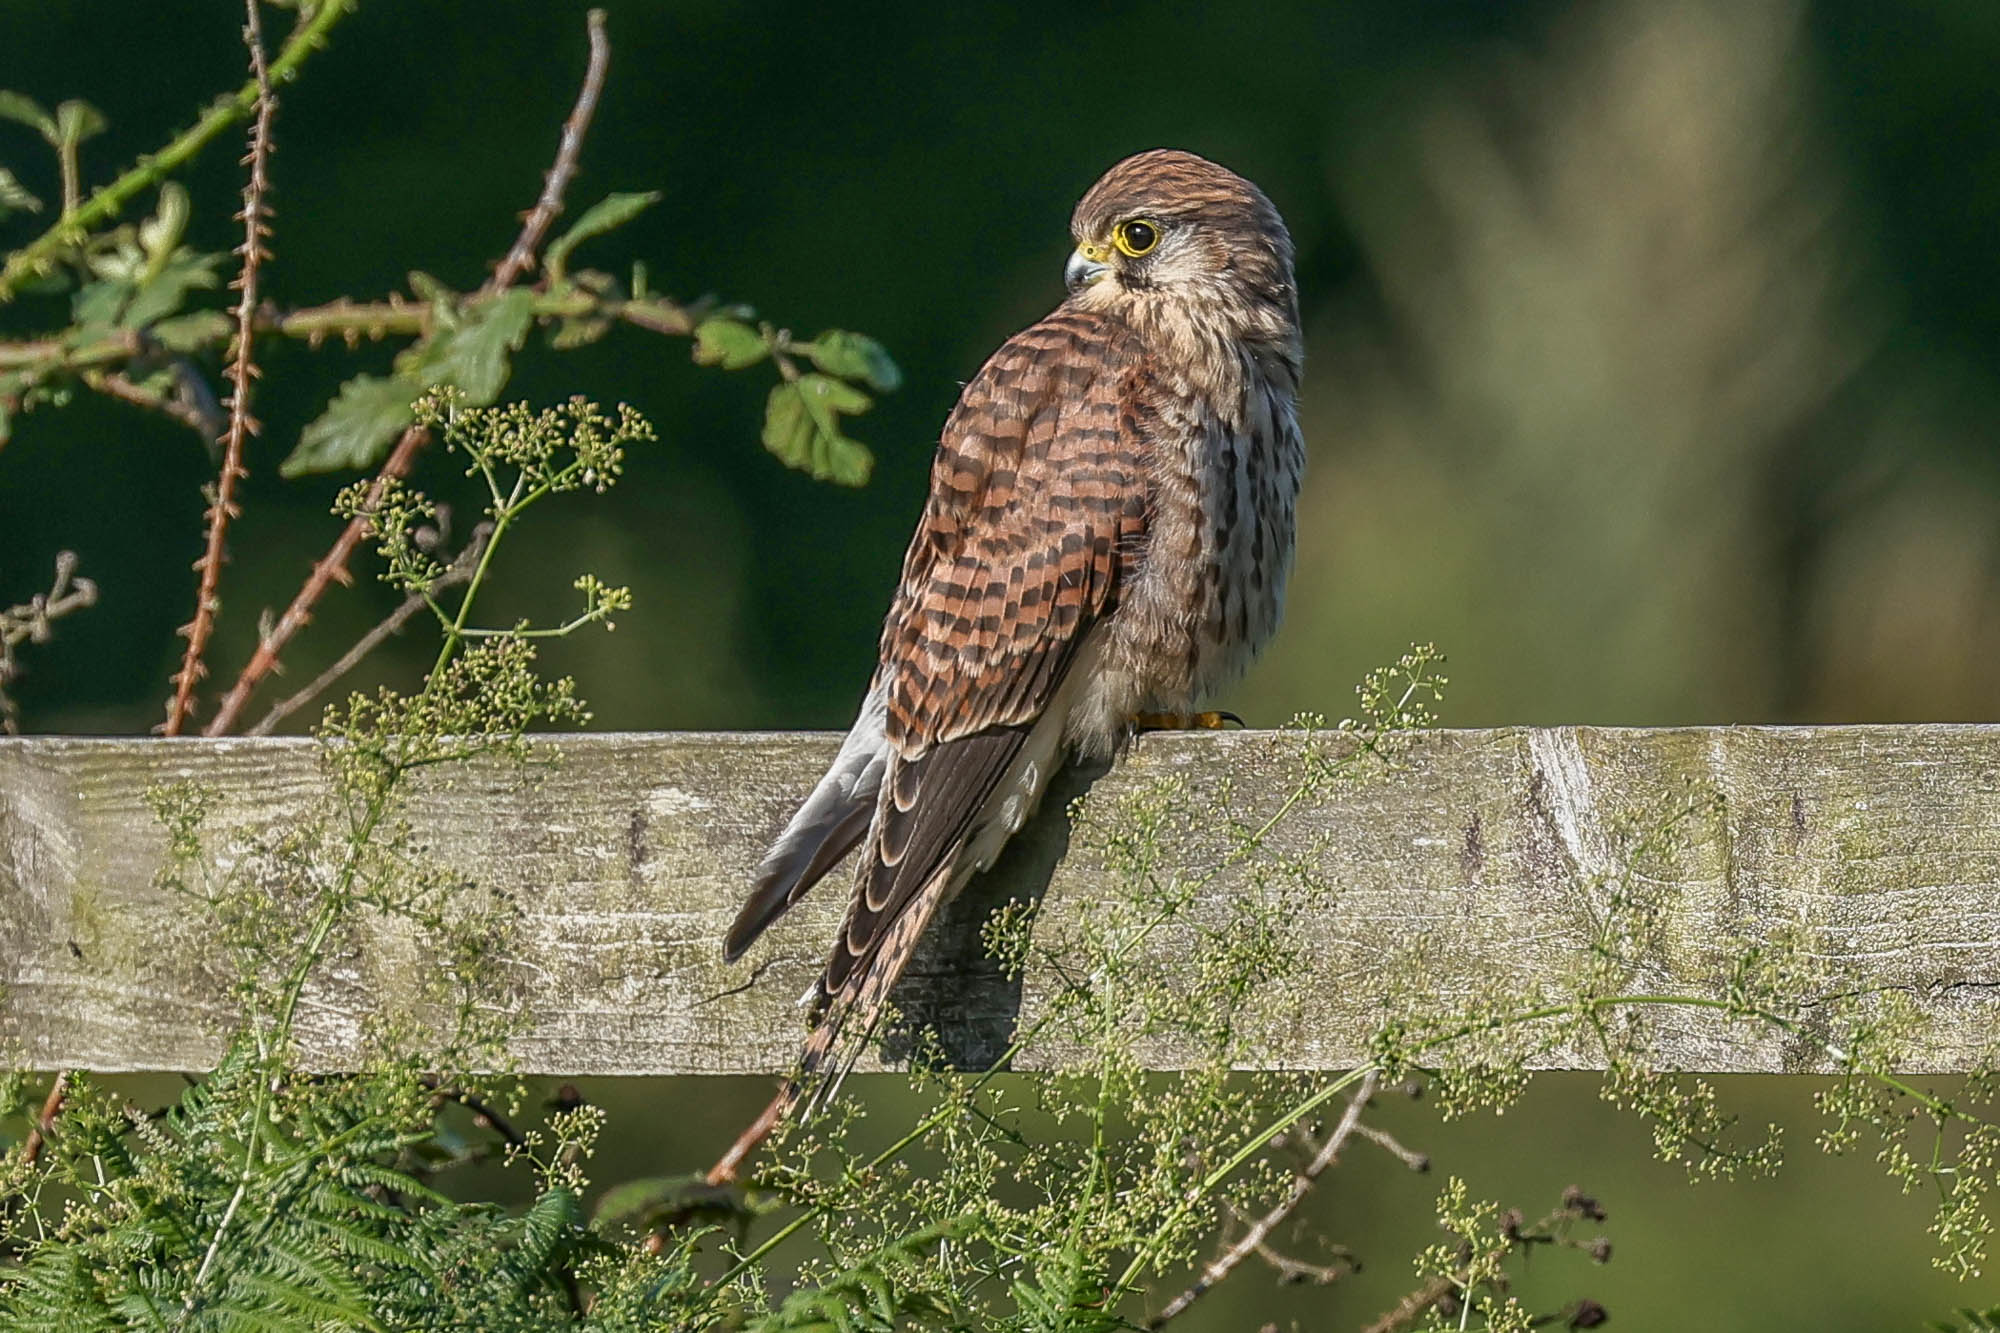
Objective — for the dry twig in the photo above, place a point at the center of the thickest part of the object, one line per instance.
(521, 256)
(242, 369)
(333, 565)
(330, 568)
(45, 1123)
(1409, 1157)
(30, 623)
(182, 408)
(480, 1108)
(1253, 1239)
(459, 572)
(1450, 1293)
(1414, 1304)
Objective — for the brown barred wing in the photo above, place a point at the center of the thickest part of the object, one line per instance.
(1037, 515)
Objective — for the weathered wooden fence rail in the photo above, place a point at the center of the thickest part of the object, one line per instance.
(629, 856)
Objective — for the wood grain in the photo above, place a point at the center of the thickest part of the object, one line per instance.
(1488, 855)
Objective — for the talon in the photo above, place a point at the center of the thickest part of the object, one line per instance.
(1217, 721)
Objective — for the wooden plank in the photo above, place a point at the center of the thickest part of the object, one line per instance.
(1490, 850)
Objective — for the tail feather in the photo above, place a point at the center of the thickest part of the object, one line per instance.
(823, 830)
(797, 861)
(835, 1042)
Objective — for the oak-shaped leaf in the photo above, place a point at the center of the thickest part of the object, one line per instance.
(802, 427)
(578, 331)
(473, 353)
(166, 284)
(356, 428)
(130, 293)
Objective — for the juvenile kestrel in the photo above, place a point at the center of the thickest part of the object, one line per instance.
(1108, 532)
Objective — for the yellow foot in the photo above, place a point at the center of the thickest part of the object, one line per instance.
(1184, 721)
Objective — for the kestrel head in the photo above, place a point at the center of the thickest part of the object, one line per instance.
(1167, 227)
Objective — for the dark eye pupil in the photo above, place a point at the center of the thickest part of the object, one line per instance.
(1139, 236)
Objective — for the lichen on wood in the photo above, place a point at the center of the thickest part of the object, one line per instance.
(1480, 855)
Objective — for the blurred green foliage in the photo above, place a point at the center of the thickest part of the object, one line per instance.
(1748, 480)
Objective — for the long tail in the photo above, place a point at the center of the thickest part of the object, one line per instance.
(835, 1043)
(848, 1018)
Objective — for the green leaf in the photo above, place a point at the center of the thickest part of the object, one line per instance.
(95, 307)
(855, 356)
(77, 121)
(15, 197)
(728, 343)
(574, 333)
(614, 210)
(429, 290)
(166, 290)
(160, 234)
(21, 107)
(474, 355)
(356, 428)
(193, 331)
(645, 1201)
(802, 427)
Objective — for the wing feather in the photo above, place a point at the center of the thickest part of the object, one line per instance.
(1037, 513)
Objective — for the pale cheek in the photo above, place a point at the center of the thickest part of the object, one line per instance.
(1191, 264)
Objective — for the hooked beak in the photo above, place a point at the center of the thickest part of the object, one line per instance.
(1086, 265)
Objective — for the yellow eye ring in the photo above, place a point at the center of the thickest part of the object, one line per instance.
(1137, 237)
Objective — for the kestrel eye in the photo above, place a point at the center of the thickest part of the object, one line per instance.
(1136, 237)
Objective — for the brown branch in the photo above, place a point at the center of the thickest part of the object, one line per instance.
(459, 572)
(350, 321)
(1517, 1235)
(334, 564)
(521, 257)
(45, 1123)
(30, 623)
(1253, 1239)
(114, 384)
(1406, 1310)
(330, 568)
(1409, 1157)
(725, 1171)
(242, 368)
(480, 1108)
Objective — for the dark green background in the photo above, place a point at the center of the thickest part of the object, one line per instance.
(1651, 374)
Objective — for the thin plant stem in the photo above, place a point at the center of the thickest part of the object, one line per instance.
(520, 256)
(107, 202)
(459, 572)
(242, 369)
(330, 568)
(413, 440)
(1253, 1238)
